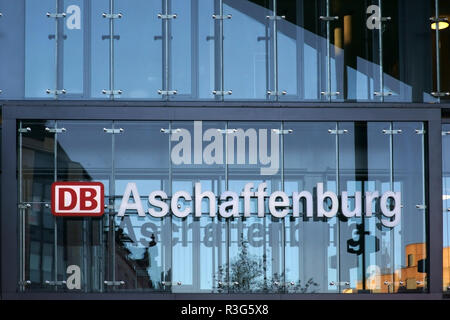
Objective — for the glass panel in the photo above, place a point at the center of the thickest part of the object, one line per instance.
(311, 247)
(246, 70)
(38, 163)
(356, 43)
(199, 244)
(38, 247)
(301, 50)
(192, 50)
(378, 259)
(40, 63)
(352, 175)
(72, 41)
(444, 49)
(406, 45)
(138, 49)
(256, 254)
(446, 206)
(143, 244)
(83, 154)
(410, 237)
(99, 53)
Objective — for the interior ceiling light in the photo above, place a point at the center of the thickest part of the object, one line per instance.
(441, 25)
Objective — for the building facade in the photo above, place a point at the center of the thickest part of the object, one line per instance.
(284, 149)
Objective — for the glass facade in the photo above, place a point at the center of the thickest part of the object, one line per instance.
(249, 251)
(225, 50)
(276, 146)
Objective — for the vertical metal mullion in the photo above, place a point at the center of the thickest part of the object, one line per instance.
(56, 49)
(391, 187)
(380, 52)
(55, 178)
(328, 54)
(438, 54)
(221, 50)
(112, 194)
(283, 226)
(111, 51)
(22, 213)
(338, 248)
(171, 216)
(227, 229)
(275, 50)
(166, 40)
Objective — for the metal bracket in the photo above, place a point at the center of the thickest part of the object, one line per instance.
(437, 19)
(334, 131)
(382, 94)
(278, 131)
(388, 131)
(120, 130)
(421, 206)
(24, 205)
(219, 17)
(222, 93)
(112, 15)
(445, 133)
(420, 131)
(55, 130)
(167, 92)
(112, 92)
(440, 94)
(114, 283)
(276, 93)
(24, 283)
(227, 131)
(1, 91)
(55, 283)
(170, 131)
(275, 17)
(24, 130)
(56, 92)
(336, 93)
(1, 14)
(385, 19)
(55, 15)
(167, 16)
(325, 18)
(109, 206)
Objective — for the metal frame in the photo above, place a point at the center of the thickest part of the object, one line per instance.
(28, 110)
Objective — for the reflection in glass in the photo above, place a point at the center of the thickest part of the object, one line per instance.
(138, 49)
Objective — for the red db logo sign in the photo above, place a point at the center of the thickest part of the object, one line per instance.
(77, 199)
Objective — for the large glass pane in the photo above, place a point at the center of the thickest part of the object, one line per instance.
(142, 244)
(199, 254)
(193, 45)
(256, 255)
(246, 49)
(40, 48)
(407, 57)
(37, 161)
(312, 244)
(302, 50)
(99, 49)
(378, 258)
(38, 249)
(72, 34)
(138, 49)
(36, 232)
(84, 153)
(410, 238)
